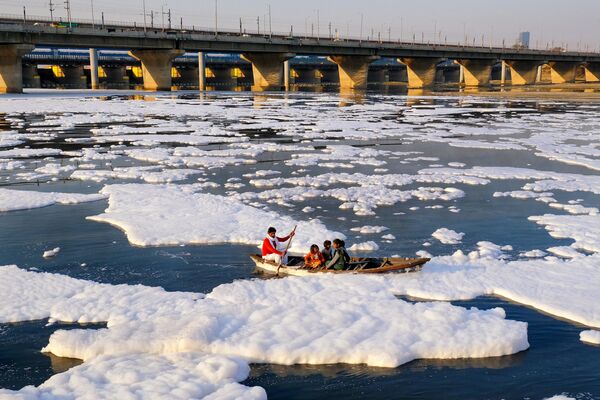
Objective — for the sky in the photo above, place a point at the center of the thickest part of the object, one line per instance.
(575, 23)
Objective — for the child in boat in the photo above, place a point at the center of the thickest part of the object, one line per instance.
(327, 250)
(314, 258)
(340, 258)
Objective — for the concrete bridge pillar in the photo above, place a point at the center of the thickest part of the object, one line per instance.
(94, 69)
(592, 72)
(156, 67)
(421, 71)
(476, 72)
(503, 72)
(540, 70)
(353, 70)
(201, 71)
(11, 67)
(562, 71)
(523, 72)
(267, 69)
(74, 77)
(286, 74)
(116, 77)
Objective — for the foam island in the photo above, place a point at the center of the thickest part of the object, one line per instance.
(255, 320)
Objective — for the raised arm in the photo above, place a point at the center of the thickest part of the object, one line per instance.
(286, 238)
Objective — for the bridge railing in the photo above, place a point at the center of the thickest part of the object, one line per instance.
(109, 25)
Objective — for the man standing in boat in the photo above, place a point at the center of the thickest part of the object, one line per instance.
(270, 250)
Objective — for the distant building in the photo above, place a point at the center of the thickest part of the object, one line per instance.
(523, 40)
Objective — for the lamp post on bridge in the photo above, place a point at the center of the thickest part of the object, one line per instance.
(92, 6)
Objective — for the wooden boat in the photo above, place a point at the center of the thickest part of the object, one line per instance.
(295, 266)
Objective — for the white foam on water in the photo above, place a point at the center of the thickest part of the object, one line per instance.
(29, 153)
(167, 215)
(14, 200)
(584, 229)
(364, 246)
(147, 174)
(143, 376)
(259, 320)
(590, 336)
(448, 236)
(540, 283)
(51, 253)
(369, 229)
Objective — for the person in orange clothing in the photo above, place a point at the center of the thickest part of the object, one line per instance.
(270, 250)
(314, 258)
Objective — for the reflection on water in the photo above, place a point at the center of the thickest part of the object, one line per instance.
(365, 371)
(62, 364)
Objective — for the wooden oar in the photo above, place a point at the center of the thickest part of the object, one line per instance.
(286, 248)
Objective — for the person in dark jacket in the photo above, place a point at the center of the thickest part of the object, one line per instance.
(327, 250)
(340, 258)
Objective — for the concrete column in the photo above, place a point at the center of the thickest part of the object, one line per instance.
(11, 67)
(522, 72)
(156, 66)
(562, 71)
(267, 69)
(116, 77)
(477, 72)
(74, 77)
(538, 74)
(421, 71)
(201, 71)
(592, 72)
(461, 74)
(94, 68)
(502, 72)
(353, 70)
(286, 74)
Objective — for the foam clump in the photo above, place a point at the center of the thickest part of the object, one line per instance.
(51, 253)
(590, 336)
(448, 236)
(143, 376)
(258, 320)
(14, 200)
(364, 246)
(166, 215)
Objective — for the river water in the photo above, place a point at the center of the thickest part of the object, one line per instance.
(556, 362)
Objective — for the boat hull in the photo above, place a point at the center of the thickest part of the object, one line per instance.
(296, 267)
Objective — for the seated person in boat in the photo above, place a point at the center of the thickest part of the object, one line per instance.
(314, 258)
(340, 258)
(327, 250)
(270, 250)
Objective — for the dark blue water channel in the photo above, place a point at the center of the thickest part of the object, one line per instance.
(557, 362)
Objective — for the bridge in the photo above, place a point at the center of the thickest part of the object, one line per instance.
(269, 55)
